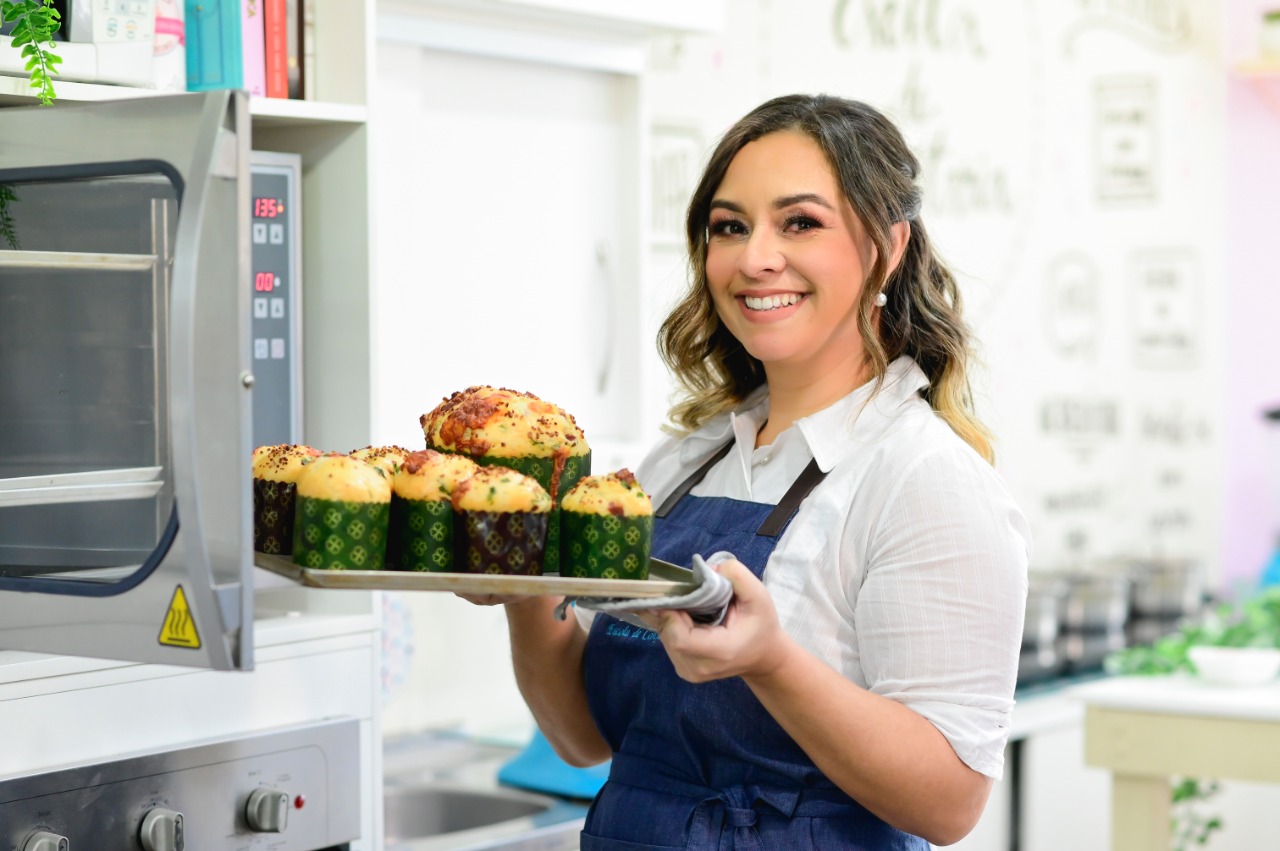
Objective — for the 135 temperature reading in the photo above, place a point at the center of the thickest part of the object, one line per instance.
(267, 208)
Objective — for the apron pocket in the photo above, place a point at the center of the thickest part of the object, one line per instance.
(599, 843)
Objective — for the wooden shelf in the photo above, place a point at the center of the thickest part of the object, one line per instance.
(1259, 67)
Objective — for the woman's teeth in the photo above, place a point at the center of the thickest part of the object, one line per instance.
(772, 302)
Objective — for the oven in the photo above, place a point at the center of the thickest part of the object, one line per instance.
(126, 379)
(292, 789)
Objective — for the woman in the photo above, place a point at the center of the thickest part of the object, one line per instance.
(858, 692)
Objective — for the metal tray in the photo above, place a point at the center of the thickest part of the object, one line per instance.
(665, 580)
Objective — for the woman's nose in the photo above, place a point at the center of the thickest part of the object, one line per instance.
(762, 254)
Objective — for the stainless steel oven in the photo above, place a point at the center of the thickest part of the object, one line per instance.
(125, 380)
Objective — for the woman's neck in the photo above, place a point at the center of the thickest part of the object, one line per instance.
(794, 394)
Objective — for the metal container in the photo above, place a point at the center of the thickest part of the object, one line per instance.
(1097, 600)
(1046, 599)
(1167, 587)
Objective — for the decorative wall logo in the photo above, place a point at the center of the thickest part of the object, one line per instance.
(1161, 25)
(937, 26)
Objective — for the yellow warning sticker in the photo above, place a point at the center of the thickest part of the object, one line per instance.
(179, 628)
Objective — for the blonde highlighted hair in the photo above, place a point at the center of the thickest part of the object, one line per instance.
(922, 318)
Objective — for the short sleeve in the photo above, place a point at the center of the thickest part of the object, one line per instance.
(940, 608)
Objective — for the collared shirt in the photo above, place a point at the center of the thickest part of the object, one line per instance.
(905, 569)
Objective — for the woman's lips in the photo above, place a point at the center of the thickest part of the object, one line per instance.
(770, 307)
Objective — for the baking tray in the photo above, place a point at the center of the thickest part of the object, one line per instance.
(665, 580)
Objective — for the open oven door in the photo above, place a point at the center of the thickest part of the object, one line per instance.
(125, 380)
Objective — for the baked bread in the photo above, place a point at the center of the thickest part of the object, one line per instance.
(607, 528)
(276, 469)
(343, 515)
(497, 426)
(502, 518)
(421, 531)
(386, 458)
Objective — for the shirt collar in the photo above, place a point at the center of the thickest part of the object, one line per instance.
(860, 416)
(863, 415)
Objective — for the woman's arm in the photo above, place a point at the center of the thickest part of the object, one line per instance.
(890, 759)
(547, 657)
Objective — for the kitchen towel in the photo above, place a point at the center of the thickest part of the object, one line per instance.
(706, 604)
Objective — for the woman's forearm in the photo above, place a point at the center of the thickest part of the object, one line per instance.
(547, 658)
(890, 759)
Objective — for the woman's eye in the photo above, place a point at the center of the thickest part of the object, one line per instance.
(802, 223)
(727, 227)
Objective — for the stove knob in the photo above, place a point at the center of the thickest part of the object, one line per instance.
(162, 830)
(45, 841)
(267, 810)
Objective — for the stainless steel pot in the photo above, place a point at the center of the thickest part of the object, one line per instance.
(1097, 601)
(1046, 597)
(1167, 587)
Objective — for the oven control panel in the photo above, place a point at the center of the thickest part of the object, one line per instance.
(286, 790)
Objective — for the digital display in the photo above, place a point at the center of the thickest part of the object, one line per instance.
(264, 282)
(267, 208)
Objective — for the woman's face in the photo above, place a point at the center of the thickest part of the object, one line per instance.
(787, 258)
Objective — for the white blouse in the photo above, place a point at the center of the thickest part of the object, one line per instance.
(905, 569)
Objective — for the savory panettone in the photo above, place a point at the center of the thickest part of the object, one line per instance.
(276, 469)
(421, 532)
(501, 517)
(493, 422)
(497, 426)
(343, 514)
(386, 458)
(607, 528)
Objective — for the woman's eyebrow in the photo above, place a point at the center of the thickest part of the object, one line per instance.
(778, 204)
(804, 197)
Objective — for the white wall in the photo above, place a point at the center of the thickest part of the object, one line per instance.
(1073, 164)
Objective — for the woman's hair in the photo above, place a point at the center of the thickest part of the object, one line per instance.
(876, 172)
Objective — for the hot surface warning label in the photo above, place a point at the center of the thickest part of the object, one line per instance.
(179, 628)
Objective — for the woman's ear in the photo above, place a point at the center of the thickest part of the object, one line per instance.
(900, 234)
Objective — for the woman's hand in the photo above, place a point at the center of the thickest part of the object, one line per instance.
(748, 642)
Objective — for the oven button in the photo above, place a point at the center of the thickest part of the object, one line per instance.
(267, 810)
(43, 840)
(162, 830)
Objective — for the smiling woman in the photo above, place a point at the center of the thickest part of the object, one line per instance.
(858, 691)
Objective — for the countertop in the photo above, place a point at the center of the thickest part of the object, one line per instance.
(1179, 694)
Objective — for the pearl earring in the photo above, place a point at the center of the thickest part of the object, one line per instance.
(881, 299)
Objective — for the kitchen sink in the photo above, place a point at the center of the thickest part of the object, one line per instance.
(441, 793)
(413, 812)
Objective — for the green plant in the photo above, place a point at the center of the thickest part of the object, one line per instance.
(34, 23)
(7, 228)
(1252, 622)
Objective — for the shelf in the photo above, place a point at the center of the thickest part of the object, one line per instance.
(1259, 67)
(1262, 74)
(266, 112)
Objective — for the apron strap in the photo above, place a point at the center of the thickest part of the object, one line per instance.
(689, 483)
(790, 502)
(781, 514)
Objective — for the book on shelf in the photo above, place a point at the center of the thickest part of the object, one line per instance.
(252, 39)
(293, 42)
(307, 24)
(275, 25)
(215, 52)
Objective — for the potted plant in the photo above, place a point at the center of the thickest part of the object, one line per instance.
(31, 25)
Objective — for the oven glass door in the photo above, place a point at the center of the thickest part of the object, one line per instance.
(124, 408)
(86, 478)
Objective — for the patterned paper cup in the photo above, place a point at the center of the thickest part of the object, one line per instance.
(543, 470)
(510, 543)
(338, 535)
(601, 546)
(421, 537)
(273, 516)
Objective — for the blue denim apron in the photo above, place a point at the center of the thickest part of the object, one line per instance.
(704, 765)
